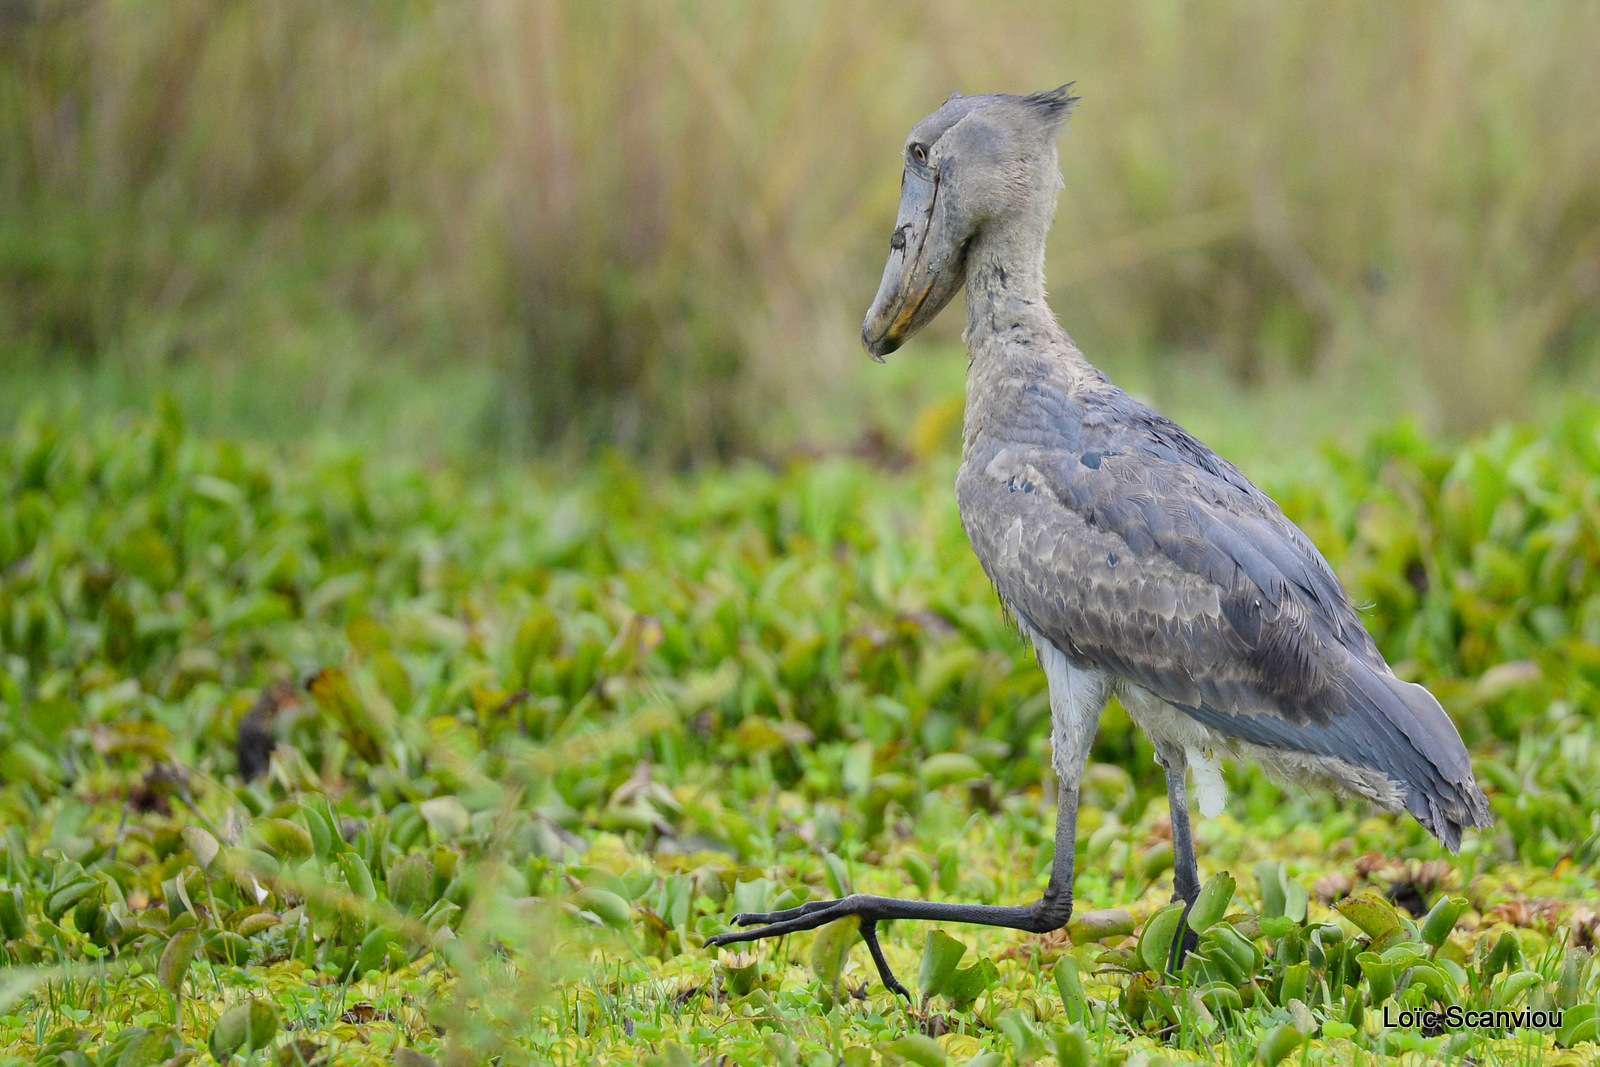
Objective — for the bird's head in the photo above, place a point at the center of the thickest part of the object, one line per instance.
(977, 162)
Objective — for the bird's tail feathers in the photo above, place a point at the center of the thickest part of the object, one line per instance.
(1445, 798)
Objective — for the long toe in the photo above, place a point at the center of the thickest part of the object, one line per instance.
(806, 920)
(751, 918)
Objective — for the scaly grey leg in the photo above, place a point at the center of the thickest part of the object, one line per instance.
(1185, 872)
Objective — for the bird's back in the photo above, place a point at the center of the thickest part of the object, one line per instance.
(1135, 549)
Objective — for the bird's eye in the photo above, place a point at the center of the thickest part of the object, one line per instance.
(919, 153)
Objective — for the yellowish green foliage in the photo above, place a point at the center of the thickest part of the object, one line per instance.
(542, 734)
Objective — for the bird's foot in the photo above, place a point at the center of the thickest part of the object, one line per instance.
(809, 916)
(1038, 918)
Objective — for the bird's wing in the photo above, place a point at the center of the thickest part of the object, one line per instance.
(1132, 547)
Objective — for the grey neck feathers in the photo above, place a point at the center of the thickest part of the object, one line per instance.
(1007, 314)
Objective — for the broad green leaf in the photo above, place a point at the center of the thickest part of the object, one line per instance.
(948, 768)
(1070, 985)
(1372, 915)
(243, 1028)
(831, 947)
(940, 955)
(1277, 1046)
(285, 839)
(1212, 902)
(1072, 1048)
(1440, 921)
(1158, 936)
(970, 983)
(204, 847)
(1101, 925)
(175, 959)
(919, 1049)
(446, 816)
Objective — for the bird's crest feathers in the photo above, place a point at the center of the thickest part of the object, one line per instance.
(1054, 105)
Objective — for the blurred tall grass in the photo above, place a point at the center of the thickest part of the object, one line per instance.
(656, 224)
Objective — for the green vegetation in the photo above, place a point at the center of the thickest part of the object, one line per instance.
(542, 734)
(657, 225)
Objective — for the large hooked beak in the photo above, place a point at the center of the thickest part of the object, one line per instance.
(926, 267)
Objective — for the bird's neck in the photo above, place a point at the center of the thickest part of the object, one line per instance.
(1008, 317)
(1012, 335)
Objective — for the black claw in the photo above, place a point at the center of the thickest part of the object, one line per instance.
(869, 934)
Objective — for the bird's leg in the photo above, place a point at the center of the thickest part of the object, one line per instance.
(1185, 872)
(1049, 912)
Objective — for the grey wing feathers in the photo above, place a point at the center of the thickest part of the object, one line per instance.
(1134, 548)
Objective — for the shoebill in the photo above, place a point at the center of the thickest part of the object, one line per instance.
(1136, 560)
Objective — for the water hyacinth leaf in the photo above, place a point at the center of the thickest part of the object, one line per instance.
(227, 946)
(325, 830)
(446, 816)
(751, 896)
(1212, 903)
(919, 1049)
(70, 896)
(948, 768)
(1372, 915)
(1156, 940)
(1504, 954)
(1569, 986)
(1228, 948)
(1296, 901)
(1101, 925)
(13, 923)
(175, 959)
(1072, 1048)
(1295, 978)
(1270, 877)
(838, 875)
(1515, 987)
(941, 953)
(285, 839)
(410, 883)
(1220, 997)
(740, 972)
(1019, 1029)
(1355, 1006)
(1441, 920)
(1156, 861)
(383, 949)
(1304, 1020)
(1069, 983)
(204, 847)
(949, 858)
(357, 876)
(1579, 1024)
(252, 919)
(916, 865)
(970, 983)
(1280, 1042)
(1135, 1000)
(831, 947)
(1380, 976)
(243, 1029)
(605, 905)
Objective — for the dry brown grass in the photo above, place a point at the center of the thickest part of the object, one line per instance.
(660, 222)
